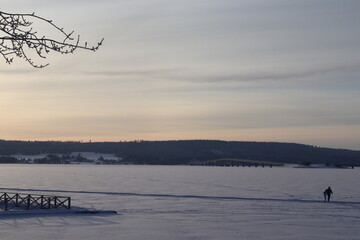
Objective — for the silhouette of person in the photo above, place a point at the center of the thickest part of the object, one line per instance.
(327, 194)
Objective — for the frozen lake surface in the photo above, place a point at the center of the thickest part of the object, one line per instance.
(184, 202)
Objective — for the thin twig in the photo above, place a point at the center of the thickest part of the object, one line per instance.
(19, 35)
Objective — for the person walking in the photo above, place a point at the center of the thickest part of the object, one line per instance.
(327, 194)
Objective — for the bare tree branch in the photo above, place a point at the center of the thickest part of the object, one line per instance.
(19, 38)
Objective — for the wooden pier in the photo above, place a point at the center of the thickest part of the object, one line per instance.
(10, 201)
(232, 162)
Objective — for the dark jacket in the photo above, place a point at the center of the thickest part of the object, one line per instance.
(328, 191)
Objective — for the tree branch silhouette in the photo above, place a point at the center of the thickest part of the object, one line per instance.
(20, 39)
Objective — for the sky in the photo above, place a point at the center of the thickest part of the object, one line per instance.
(244, 70)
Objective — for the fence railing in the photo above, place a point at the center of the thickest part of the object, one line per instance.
(10, 201)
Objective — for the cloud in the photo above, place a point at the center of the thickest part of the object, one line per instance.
(139, 72)
(194, 75)
(279, 75)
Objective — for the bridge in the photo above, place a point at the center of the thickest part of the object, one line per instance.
(233, 162)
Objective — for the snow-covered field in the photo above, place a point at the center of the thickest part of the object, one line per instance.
(183, 202)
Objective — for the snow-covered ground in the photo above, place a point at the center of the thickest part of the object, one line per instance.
(184, 202)
(87, 155)
(90, 157)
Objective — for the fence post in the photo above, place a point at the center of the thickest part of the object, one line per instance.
(49, 202)
(69, 202)
(42, 202)
(17, 200)
(6, 201)
(55, 202)
(28, 202)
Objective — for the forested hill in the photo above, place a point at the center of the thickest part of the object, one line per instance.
(183, 152)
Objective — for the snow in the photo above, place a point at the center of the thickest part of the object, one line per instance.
(88, 155)
(186, 202)
(30, 157)
(95, 156)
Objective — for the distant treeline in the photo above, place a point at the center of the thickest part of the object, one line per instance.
(184, 152)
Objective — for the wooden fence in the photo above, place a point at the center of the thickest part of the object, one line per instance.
(10, 201)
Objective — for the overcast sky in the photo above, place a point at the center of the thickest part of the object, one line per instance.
(270, 70)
